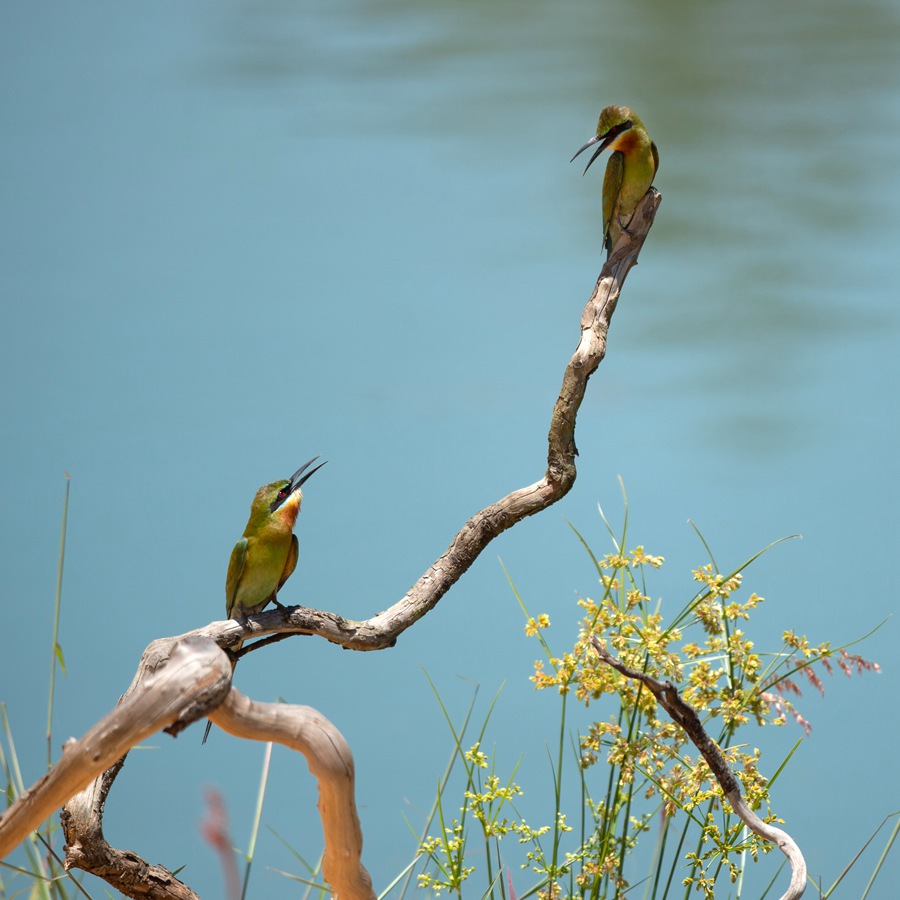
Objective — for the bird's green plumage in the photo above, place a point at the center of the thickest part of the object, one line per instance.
(632, 165)
(612, 186)
(266, 555)
(264, 558)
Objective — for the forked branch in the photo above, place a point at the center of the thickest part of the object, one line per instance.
(174, 685)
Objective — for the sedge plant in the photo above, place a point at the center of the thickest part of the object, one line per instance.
(647, 819)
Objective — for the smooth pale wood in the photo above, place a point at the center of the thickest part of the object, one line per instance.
(194, 666)
(330, 761)
(177, 681)
(778, 836)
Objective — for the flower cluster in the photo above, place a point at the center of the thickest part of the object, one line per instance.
(719, 673)
(652, 773)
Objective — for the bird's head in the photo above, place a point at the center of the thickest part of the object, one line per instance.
(282, 498)
(613, 123)
(288, 493)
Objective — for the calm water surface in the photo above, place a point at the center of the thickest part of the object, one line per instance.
(239, 234)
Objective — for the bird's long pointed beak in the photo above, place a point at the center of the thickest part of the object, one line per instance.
(606, 141)
(296, 481)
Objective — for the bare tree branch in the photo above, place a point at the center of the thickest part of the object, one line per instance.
(87, 848)
(167, 662)
(330, 762)
(383, 629)
(197, 677)
(175, 684)
(684, 715)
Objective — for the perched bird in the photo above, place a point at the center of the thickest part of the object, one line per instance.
(266, 556)
(630, 170)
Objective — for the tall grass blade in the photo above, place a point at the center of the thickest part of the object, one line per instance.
(257, 815)
(56, 656)
(859, 853)
(884, 855)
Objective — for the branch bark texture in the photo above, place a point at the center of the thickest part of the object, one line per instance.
(685, 716)
(383, 629)
(196, 669)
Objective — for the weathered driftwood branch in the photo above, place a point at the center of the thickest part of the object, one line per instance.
(383, 629)
(196, 676)
(175, 684)
(87, 848)
(328, 756)
(684, 715)
(330, 762)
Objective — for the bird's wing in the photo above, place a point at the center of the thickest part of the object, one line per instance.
(655, 153)
(233, 579)
(612, 184)
(291, 562)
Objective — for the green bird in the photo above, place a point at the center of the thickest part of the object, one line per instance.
(266, 556)
(629, 173)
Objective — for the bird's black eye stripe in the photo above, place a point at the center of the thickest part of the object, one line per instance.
(616, 130)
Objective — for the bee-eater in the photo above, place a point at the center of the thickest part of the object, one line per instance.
(630, 170)
(266, 556)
